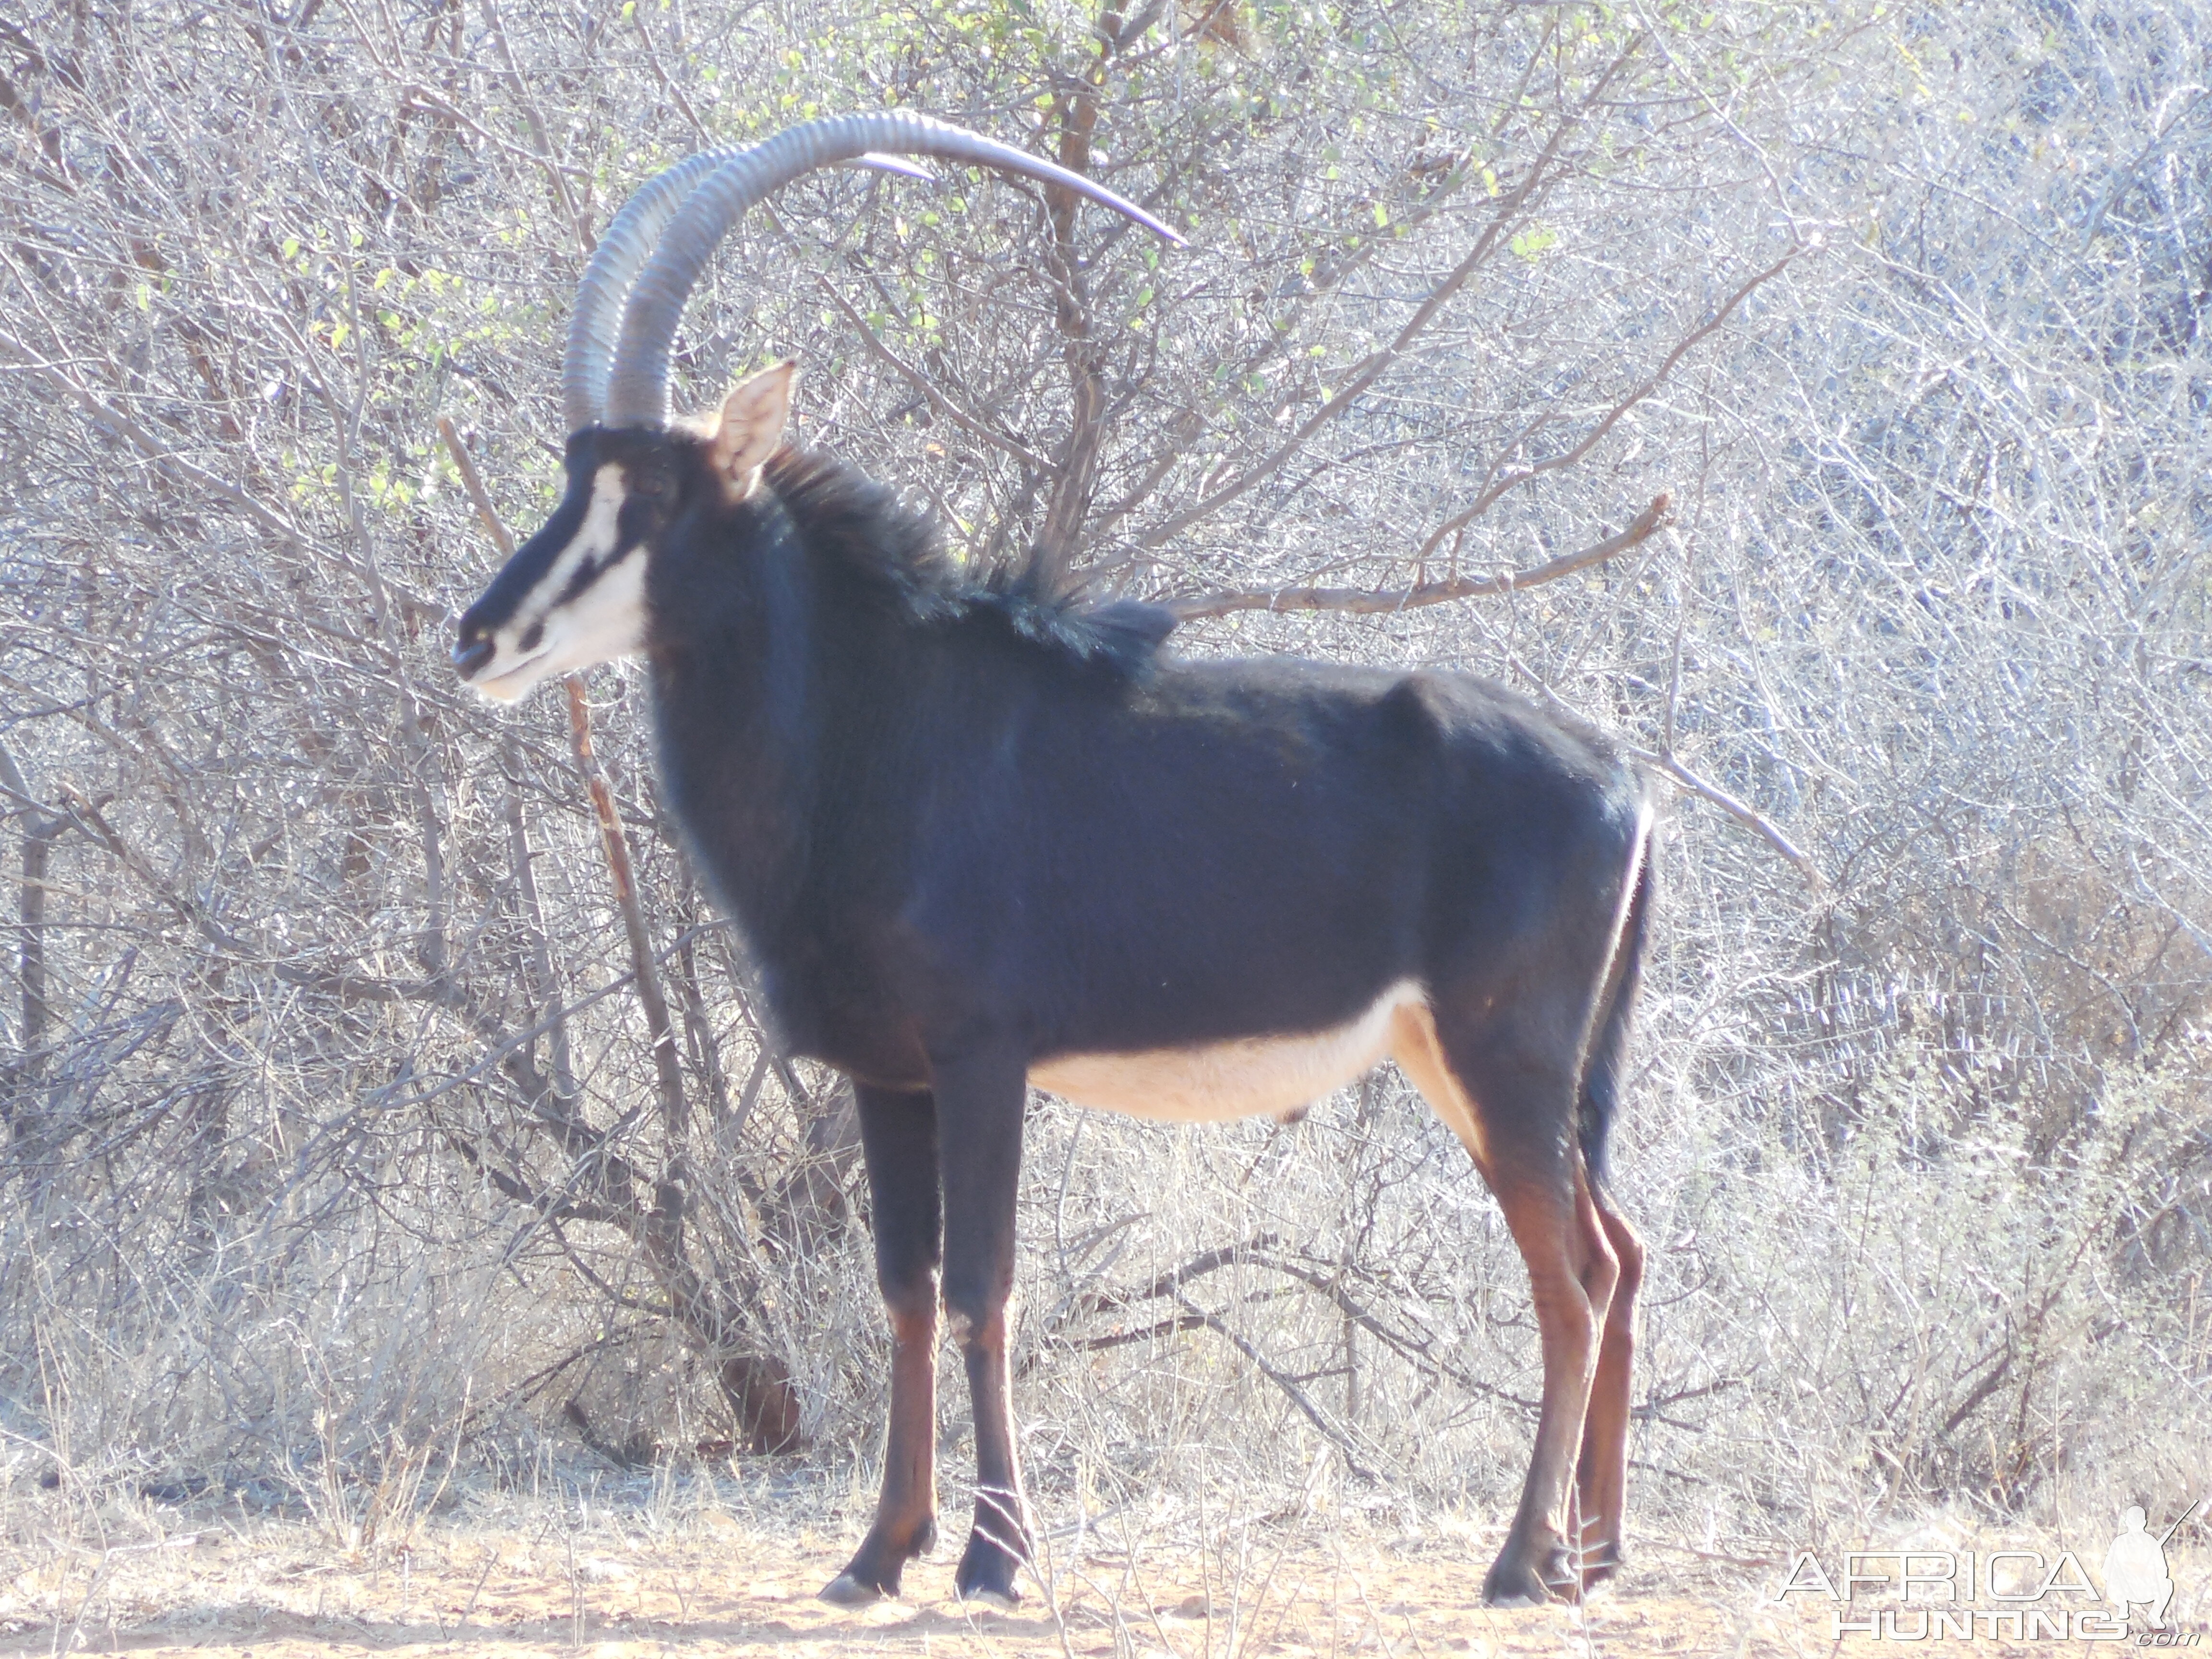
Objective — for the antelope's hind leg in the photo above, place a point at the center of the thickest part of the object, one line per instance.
(1512, 1101)
(898, 1138)
(1601, 1477)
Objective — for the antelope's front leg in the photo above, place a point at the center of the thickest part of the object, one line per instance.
(980, 1096)
(898, 1138)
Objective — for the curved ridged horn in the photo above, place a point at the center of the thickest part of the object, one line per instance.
(638, 392)
(628, 240)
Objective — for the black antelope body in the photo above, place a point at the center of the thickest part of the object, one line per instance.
(980, 841)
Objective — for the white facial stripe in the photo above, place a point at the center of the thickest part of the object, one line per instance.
(606, 620)
(593, 541)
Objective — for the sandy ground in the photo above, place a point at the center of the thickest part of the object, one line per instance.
(713, 1584)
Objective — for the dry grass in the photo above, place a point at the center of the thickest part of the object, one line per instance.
(1933, 1323)
(729, 1565)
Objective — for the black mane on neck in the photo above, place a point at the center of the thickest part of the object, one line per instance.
(883, 554)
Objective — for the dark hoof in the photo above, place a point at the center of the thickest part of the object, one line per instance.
(1513, 1582)
(987, 1574)
(867, 1578)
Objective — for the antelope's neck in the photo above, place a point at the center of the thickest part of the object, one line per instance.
(736, 713)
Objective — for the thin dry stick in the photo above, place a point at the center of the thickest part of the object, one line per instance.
(1452, 527)
(643, 961)
(464, 463)
(1748, 816)
(691, 1303)
(1362, 602)
(540, 137)
(158, 454)
(1282, 1380)
(645, 965)
(503, 539)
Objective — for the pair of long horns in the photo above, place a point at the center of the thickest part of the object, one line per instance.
(626, 383)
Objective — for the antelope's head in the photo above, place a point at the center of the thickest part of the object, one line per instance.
(574, 594)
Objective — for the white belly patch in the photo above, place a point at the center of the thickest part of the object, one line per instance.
(1239, 1079)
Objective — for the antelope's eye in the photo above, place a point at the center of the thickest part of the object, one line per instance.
(656, 484)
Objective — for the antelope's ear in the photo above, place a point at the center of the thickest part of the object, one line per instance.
(749, 427)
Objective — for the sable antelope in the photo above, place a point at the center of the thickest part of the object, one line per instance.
(980, 838)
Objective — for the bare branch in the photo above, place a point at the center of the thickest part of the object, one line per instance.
(1206, 1262)
(1331, 1431)
(1075, 472)
(643, 964)
(1749, 817)
(539, 136)
(913, 377)
(114, 421)
(1356, 601)
(1366, 373)
(464, 463)
(1491, 496)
